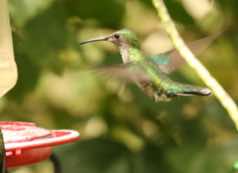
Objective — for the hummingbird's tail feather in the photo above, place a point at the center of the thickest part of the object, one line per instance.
(191, 91)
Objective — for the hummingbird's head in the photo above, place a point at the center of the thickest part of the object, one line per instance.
(120, 38)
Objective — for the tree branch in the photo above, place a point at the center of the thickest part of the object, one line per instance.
(202, 72)
(8, 70)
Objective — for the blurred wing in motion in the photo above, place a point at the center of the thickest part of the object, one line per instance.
(128, 72)
(161, 59)
(172, 60)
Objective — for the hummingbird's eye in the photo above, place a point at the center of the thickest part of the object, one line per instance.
(117, 36)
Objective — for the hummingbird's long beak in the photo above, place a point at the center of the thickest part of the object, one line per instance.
(104, 38)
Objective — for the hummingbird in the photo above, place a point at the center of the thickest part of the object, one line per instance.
(150, 73)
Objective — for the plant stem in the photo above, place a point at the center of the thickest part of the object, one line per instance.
(224, 98)
(8, 70)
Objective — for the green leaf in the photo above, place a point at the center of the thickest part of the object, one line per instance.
(178, 13)
(95, 156)
(45, 36)
(107, 12)
(176, 10)
(24, 10)
(228, 6)
(28, 78)
(106, 156)
(218, 158)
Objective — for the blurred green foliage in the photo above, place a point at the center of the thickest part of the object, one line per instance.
(121, 131)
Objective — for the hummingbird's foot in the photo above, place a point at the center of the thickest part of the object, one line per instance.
(162, 97)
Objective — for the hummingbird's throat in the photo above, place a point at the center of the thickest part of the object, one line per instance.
(124, 51)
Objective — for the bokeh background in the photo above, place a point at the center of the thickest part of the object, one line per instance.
(122, 132)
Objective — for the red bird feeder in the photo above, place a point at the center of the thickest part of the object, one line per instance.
(25, 143)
